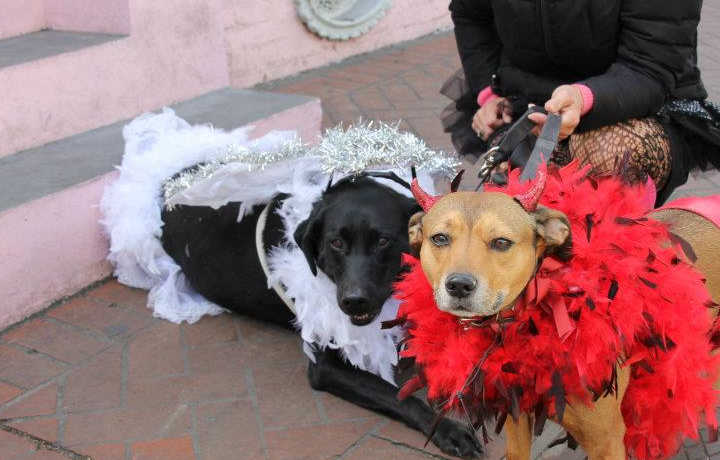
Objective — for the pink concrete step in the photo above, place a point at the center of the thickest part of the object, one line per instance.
(167, 56)
(51, 244)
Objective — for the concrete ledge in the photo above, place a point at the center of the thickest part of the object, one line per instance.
(45, 170)
(51, 243)
(46, 43)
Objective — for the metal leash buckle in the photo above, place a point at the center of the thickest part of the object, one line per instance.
(489, 160)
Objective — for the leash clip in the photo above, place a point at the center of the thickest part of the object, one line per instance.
(490, 160)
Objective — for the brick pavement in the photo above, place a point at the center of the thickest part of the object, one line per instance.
(100, 377)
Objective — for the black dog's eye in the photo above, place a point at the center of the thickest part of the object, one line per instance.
(501, 244)
(383, 242)
(337, 243)
(440, 239)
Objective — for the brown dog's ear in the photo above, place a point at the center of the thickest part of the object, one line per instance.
(415, 236)
(553, 228)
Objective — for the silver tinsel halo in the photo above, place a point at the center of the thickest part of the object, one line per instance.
(360, 147)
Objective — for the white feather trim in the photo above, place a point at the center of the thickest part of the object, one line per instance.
(157, 146)
(160, 145)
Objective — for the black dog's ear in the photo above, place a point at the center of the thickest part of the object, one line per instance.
(306, 237)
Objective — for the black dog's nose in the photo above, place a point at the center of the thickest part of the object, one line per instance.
(460, 285)
(354, 303)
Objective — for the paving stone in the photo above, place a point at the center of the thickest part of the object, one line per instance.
(210, 329)
(14, 447)
(103, 316)
(61, 342)
(98, 385)
(371, 99)
(228, 431)
(46, 455)
(184, 389)
(399, 432)
(228, 357)
(8, 392)
(696, 453)
(164, 449)
(273, 343)
(40, 402)
(127, 424)
(25, 368)
(102, 451)
(44, 428)
(314, 442)
(713, 448)
(285, 397)
(400, 95)
(114, 292)
(380, 449)
(156, 351)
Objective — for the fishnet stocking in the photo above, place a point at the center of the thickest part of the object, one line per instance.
(635, 148)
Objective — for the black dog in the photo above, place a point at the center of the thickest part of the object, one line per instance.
(355, 234)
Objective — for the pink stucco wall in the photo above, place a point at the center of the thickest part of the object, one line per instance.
(51, 248)
(266, 39)
(175, 50)
(167, 58)
(106, 16)
(20, 17)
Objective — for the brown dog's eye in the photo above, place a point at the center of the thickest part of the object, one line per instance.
(501, 244)
(440, 239)
(383, 242)
(337, 243)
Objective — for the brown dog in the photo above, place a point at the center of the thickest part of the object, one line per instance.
(479, 251)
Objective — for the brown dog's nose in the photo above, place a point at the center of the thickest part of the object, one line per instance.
(460, 285)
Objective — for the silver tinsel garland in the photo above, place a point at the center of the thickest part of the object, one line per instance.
(363, 146)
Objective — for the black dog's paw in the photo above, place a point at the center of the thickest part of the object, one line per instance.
(456, 439)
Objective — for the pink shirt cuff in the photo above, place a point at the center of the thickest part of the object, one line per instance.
(485, 96)
(587, 98)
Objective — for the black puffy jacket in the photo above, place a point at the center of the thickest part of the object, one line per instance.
(633, 54)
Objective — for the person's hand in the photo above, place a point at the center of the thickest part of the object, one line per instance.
(565, 101)
(494, 114)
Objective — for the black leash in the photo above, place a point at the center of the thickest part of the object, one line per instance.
(515, 146)
(544, 147)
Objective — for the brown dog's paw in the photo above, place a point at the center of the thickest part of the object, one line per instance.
(415, 235)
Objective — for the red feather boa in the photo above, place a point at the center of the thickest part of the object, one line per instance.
(623, 294)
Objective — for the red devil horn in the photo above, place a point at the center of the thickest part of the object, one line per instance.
(529, 199)
(424, 199)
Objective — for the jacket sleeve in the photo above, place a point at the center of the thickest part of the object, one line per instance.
(657, 58)
(477, 41)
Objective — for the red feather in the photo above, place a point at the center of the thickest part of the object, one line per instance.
(610, 301)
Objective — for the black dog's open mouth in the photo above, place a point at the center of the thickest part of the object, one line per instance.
(363, 319)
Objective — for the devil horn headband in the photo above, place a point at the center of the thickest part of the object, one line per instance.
(424, 199)
(530, 198)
